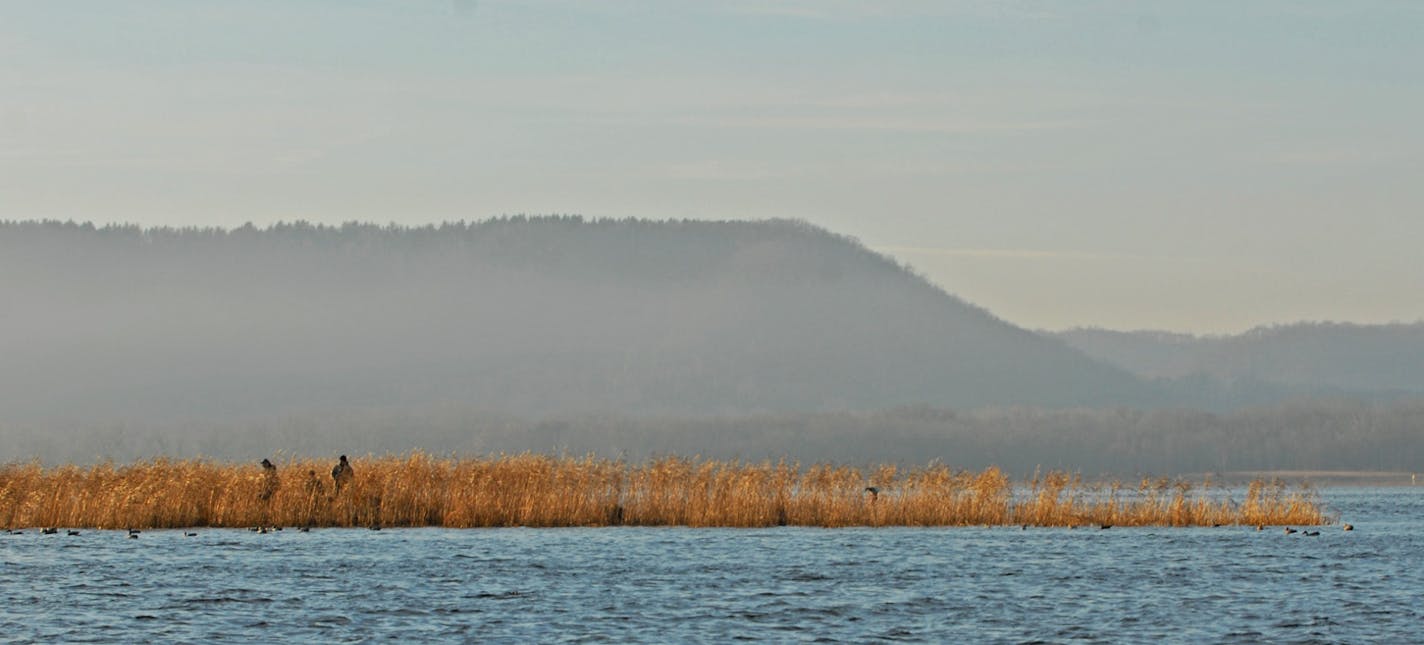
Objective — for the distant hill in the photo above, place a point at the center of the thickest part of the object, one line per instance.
(1347, 358)
(513, 315)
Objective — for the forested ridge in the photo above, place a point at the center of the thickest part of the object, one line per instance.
(523, 315)
(631, 337)
(1344, 357)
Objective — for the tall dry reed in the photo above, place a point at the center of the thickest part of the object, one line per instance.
(538, 490)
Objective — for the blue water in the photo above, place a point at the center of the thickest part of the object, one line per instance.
(1228, 584)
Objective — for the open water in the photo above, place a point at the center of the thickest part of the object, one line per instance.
(1227, 584)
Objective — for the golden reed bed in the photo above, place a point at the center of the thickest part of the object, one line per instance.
(536, 490)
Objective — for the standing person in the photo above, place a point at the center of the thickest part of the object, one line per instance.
(342, 474)
(270, 483)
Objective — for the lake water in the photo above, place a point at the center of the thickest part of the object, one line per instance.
(1228, 584)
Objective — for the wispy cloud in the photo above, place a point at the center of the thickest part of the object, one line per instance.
(929, 124)
(857, 9)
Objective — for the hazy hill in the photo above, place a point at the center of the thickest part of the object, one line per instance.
(513, 315)
(1314, 356)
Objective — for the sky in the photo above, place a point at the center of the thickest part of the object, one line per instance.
(1192, 166)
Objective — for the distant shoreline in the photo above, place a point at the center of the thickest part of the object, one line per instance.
(1318, 477)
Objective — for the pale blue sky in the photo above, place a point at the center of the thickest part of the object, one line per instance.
(1197, 166)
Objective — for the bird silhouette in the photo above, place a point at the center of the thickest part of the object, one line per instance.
(342, 474)
(270, 482)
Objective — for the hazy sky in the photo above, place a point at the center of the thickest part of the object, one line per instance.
(1200, 166)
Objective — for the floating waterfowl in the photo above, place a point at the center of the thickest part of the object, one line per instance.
(1311, 533)
(187, 534)
(50, 531)
(72, 533)
(1290, 530)
(1349, 527)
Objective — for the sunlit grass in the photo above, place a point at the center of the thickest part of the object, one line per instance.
(537, 490)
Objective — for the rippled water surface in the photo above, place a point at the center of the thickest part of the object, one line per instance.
(678, 585)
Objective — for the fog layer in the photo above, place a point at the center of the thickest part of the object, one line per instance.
(756, 339)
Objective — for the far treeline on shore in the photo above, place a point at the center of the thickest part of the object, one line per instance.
(537, 490)
(1309, 436)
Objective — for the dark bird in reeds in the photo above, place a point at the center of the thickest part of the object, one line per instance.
(342, 474)
(874, 492)
(270, 482)
(1349, 527)
(314, 486)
